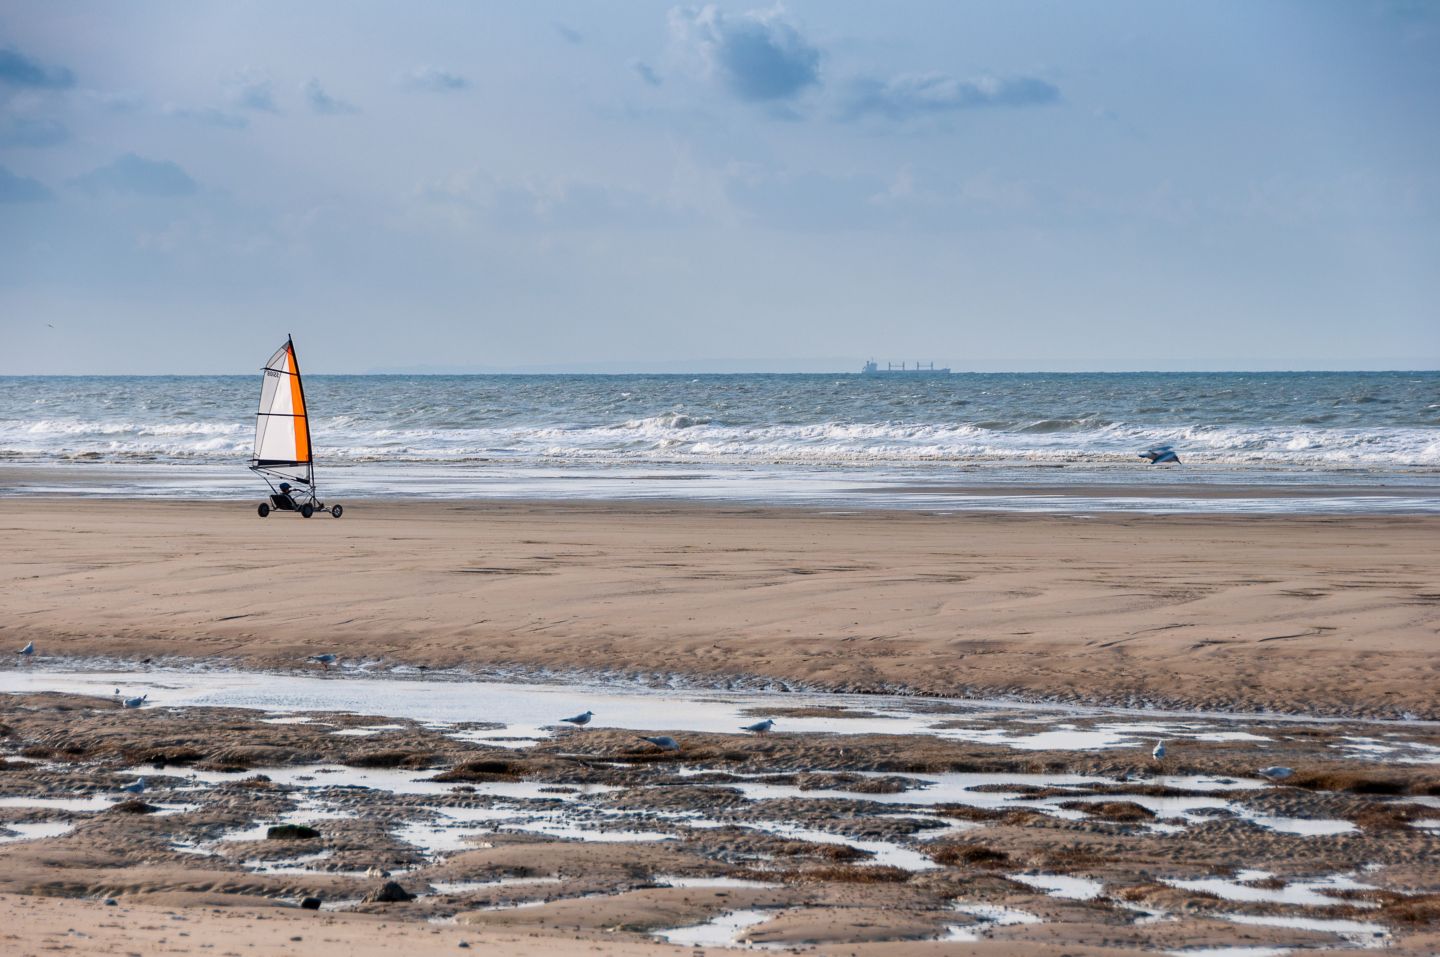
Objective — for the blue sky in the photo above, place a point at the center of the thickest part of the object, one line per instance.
(1009, 185)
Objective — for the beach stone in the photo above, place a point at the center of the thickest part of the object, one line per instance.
(310, 903)
(291, 832)
(390, 893)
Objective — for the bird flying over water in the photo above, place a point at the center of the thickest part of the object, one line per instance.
(325, 660)
(580, 720)
(1276, 772)
(136, 702)
(1161, 455)
(28, 650)
(663, 742)
(760, 727)
(1159, 753)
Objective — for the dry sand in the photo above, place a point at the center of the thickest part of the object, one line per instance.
(1296, 613)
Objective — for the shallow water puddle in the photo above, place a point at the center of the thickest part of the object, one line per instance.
(721, 931)
(1309, 893)
(448, 888)
(297, 865)
(961, 789)
(1360, 933)
(399, 781)
(1389, 749)
(454, 829)
(31, 832)
(367, 731)
(987, 916)
(532, 711)
(882, 852)
(1304, 826)
(1061, 885)
(701, 882)
(1230, 952)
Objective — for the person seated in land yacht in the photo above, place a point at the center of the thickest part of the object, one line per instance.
(284, 501)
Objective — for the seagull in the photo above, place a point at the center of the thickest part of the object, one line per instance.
(1276, 773)
(136, 702)
(760, 727)
(1161, 455)
(580, 720)
(1159, 753)
(28, 650)
(135, 787)
(664, 742)
(325, 660)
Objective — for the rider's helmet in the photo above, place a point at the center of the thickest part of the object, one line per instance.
(284, 486)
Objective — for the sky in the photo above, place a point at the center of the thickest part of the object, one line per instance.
(1010, 185)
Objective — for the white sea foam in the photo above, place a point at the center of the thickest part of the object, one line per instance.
(680, 439)
(1282, 428)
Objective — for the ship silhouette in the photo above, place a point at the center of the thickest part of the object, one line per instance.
(873, 368)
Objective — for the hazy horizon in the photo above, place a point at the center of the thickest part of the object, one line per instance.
(996, 187)
(720, 368)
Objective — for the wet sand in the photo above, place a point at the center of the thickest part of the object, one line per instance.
(1298, 614)
(837, 843)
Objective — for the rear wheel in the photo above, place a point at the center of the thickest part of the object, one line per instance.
(264, 509)
(337, 511)
(307, 510)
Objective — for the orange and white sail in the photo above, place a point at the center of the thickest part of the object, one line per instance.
(282, 431)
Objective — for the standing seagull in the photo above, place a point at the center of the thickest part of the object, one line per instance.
(663, 742)
(1276, 773)
(135, 787)
(580, 720)
(760, 727)
(325, 660)
(1159, 753)
(28, 650)
(136, 702)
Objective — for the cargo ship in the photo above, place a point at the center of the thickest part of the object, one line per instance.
(873, 368)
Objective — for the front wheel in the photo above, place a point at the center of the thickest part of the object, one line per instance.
(264, 509)
(337, 511)
(307, 510)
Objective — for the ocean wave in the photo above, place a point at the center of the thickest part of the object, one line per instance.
(1314, 421)
(675, 437)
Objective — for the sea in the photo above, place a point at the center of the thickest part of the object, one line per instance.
(1262, 442)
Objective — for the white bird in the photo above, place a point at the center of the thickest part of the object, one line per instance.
(28, 650)
(663, 742)
(325, 660)
(135, 787)
(1159, 753)
(136, 702)
(760, 727)
(1276, 773)
(580, 720)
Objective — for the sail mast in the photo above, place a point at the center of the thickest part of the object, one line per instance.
(305, 406)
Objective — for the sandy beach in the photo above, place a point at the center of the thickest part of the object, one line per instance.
(251, 780)
(1317, 615)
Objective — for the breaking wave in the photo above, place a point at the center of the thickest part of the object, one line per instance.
(682, 439)
(1314, 421)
